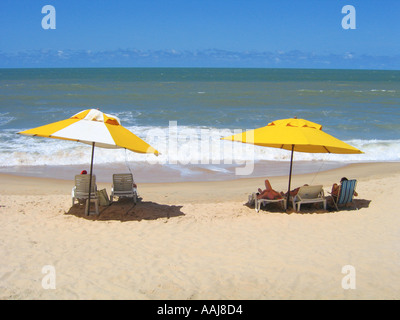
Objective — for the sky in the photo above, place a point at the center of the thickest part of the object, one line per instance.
(201, 33)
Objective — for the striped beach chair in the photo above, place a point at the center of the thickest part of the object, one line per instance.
(346, 193)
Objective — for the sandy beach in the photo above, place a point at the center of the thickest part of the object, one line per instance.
(199, 240)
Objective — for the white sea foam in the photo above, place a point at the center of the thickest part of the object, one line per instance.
(5, 118)
(181, 146)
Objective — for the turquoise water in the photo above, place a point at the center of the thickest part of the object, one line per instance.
(360, 107)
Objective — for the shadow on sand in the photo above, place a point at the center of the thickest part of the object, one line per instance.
(125, 210)
(356, 205)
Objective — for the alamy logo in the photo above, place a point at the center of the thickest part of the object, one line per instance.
(49, 280)
(349, 20)
(349, 280)
(49, 20)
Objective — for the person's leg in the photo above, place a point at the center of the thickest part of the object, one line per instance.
(268, 185)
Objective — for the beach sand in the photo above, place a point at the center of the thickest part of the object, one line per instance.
(199, 240)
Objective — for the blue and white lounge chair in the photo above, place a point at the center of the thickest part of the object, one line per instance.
(346, 193)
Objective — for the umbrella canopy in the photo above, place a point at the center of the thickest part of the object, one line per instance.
(294, 135)
(95, 128)
(90, 126)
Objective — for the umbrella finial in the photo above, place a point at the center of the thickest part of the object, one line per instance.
(295, 117)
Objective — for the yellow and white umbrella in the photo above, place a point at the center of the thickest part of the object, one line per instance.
(95, 128)
(294, 135)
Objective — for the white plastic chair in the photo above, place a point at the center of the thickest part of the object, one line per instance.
(264, 202)
(80, 191)
(123, 186)
(309, 194)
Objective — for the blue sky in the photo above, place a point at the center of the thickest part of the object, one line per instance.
(214, 33)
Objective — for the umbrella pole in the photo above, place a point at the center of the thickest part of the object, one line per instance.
(90, 180)
(290, 178)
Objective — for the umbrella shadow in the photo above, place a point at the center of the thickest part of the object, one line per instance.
(308, 208)
(125, 210)
(357, 204)
(270, 207)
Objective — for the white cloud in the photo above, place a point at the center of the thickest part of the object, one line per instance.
(199, 58)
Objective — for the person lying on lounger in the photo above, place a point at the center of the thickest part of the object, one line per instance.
(292, 192)
(268, 193)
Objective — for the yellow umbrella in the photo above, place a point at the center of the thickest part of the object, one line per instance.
(294, 135)
(95, 128)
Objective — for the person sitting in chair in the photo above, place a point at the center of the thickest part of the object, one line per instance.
(336, 188)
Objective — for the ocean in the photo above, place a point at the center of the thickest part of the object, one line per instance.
(200, 105)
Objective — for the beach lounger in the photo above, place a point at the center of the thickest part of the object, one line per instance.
(309, 194)
(80, 191)
(264, 202)
(123, 186)
(346, 193)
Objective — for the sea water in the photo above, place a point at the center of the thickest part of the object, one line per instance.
(198, 106)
